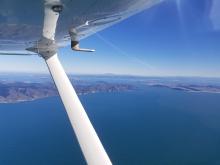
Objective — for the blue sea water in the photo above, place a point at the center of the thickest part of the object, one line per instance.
(155, 126)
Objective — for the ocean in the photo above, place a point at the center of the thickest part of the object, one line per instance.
(152, 126)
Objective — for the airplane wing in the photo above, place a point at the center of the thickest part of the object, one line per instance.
(21, 23)
(100, 14)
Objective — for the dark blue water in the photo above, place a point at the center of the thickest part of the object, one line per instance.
(154, 126)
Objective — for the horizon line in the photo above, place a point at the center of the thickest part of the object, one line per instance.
(113, 74)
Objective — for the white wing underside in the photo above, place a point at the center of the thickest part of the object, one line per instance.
(22, 26)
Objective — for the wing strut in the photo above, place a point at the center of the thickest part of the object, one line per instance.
(89, 142)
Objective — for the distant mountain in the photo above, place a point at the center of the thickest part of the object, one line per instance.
(18, 88)
(22, 91)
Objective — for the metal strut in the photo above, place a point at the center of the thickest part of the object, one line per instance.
(89, 141)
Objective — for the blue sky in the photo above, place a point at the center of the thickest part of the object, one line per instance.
(175, 38)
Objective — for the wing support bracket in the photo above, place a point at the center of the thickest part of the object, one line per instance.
(44, 47)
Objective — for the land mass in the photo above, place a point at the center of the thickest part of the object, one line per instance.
(189, 88)
(18, 88)
(22, 91)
